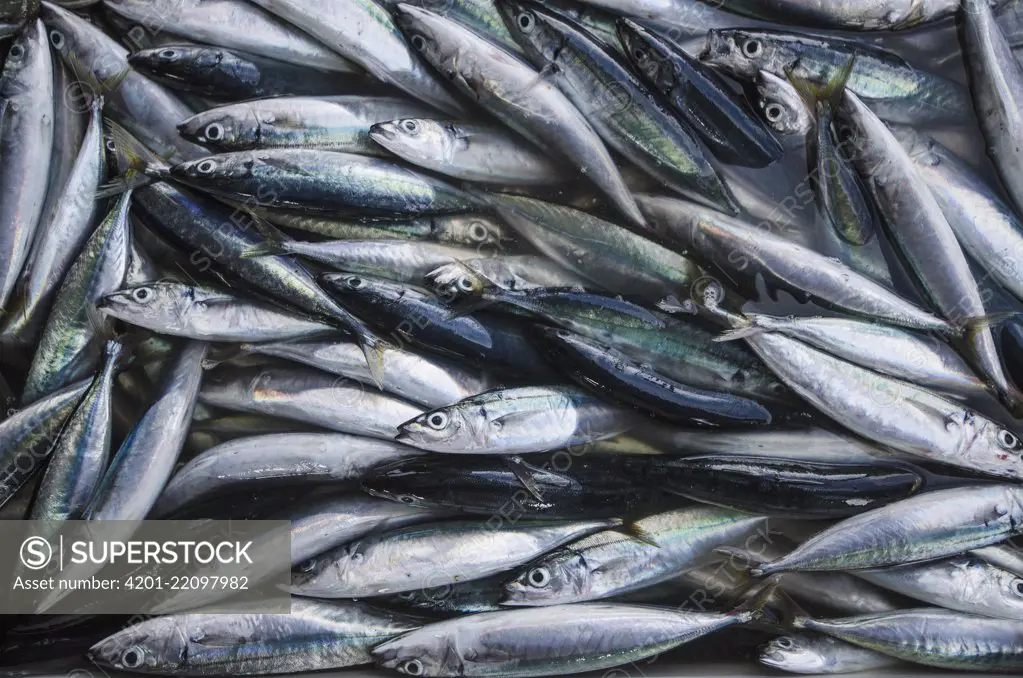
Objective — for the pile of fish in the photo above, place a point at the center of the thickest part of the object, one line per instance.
(564, 333)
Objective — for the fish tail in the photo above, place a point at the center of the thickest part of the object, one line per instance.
(373, 348)
(756, 566)
(759, 603)
(831, 91)
(140, 172)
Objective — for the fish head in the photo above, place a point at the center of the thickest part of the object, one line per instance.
(367, 291)
(327, 572)
(473, 230)
(144, 305)
(179, 60)
(232, 126)
(28, 49)
(455, 281)
(226, 166)
(992, 448)
(405, 480)
(647, 53)
(417, 140)
(153, 646)
(797, 654)
(98, 64)
(444, 429)
(539, 32)
(433, 37)
(561, 577)
(740, 52)
(418, 654)
(780, 105)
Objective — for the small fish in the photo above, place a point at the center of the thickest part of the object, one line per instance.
(816, 654)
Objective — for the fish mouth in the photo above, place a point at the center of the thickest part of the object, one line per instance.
(382, 130)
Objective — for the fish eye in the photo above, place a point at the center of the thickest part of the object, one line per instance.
(784, 642)
(773, 112)
(308, 565)
(133, 657)
(465, 284)
(410, 126)
(1017, 587)
(356, 557)
(525, 21)
(751, 48)
(206, 167)
(57, 39)
(18, 51)
(111, 146)
(1008, 440)
(141, 294)
(214, 131)
(538, 577)
(478, 232)
(407, 499)
(437, 421)
(168, 54)
(412, 667)
(419, 42)
(777, 388)
(640, 54)
(355, 283)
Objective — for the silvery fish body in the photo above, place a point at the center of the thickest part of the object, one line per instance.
(513, 272)
(816, 654)
(781, 106)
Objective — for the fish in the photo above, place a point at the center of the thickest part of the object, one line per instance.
(619, 378)
(781, 106)
(517, 420)
(887, 15)
(506, 86)
(615, 634)
(334, 123)
(795, 443)
(816, 654)
(559, 486)
(402, 560)
(267, 461)
(626, 115)
(67, 351)
(470, 277)
(316, 635)
(612, 563)
(378, 46)
(26, 142)
(1002, 556)
(430, 381)
(234, 74)
(906, 531)
(468, 151)
(700, 96)
(181, 310)
(932, 637)
(787, 487)
(307, 395)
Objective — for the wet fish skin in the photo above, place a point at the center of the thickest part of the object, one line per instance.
(761, 485)
(1002, 556)
(816, 654)
(517, 643)
(143, 464)
(405, 559)
(334, 123)
(310, 396)
(932, 637)
(781, 106)
(469, 278)
(517, 420)
(698, 94)
(378, 46)
(26, 142)
(850, 15)
(66, 350)
(183, 310)
(80, 453)
(268, 461)
(505, 85)
(233, 74)
(469, 151)
(317, 635)
(478, 595)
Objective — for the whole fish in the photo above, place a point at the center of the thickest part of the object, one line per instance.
(315, 636)
(507, 87)
(816, 654)
(26, 142)
(233, 74)
(145, 108)
(781, 106)
(338, 123)
(275, 460)
(517, 420)
(700, 96)
(746, 250)
(612, 563)
(893, 88)
(619, 378)
(406, 559)
(926, 527)
(311, 396)
(546, 641)
(470, 277)
(932, 637)
(323, 181)
(996, 79)
(80, 454)
(558, 487)
(66, 350)
(143, 464)
(626, 115)
(924, 237)
(378, 46)
(468, 151)
(916, 358)
(761, 485)
(319, 524)
(181, 310)
(426, 380)
(27, 436)
(233, 24)
(993, 592)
